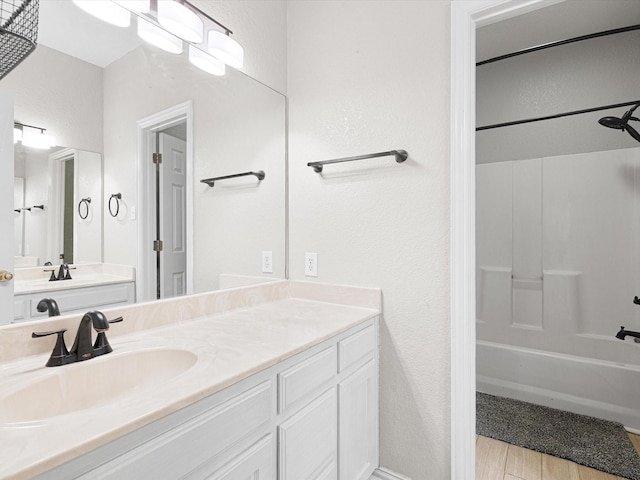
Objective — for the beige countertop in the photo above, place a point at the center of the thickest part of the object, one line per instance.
(233, 333)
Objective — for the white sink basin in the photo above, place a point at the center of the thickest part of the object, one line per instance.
(93, 383)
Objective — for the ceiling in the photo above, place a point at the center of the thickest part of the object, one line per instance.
(567, 19)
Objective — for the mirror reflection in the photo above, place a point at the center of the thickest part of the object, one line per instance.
(116, 101)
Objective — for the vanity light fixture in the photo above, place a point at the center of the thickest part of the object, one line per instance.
(180, 20)
(158, 37)
(166, 23)
(225, 48)
(31, 137)
(106, 10)
(206, 62)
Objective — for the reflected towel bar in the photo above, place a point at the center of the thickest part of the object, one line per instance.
(401, 156)
(211, 181)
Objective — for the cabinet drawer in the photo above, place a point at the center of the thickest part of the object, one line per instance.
(307, 441)
(305, 377)
(222, 426)
(254, 463)
(19, 308)
(357, 348)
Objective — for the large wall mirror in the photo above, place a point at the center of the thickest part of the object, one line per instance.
(112, 101)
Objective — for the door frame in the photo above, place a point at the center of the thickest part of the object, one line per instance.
(146, 133)
(466, 16)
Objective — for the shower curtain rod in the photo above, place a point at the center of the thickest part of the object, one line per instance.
(557, 115)
(560, 42)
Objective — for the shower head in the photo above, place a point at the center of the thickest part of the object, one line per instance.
(623, 123)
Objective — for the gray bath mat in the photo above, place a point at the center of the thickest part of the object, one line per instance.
(589, 441)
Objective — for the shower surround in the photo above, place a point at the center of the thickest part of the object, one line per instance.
(558, 266)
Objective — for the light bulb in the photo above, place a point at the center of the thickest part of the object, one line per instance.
(205, 61)
(106, 10)
(226, 49)
(180, 20)
(158, 37)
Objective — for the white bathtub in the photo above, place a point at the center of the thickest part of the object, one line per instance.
(597, 388)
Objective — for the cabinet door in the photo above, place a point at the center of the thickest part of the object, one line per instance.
(255, 463)
(358, 442)
(308, 441)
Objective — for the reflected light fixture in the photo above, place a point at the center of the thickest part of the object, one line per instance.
(205, 61)
(158, 37)
(31, 137)
(225, 48)
(107, 11)
(180, 20)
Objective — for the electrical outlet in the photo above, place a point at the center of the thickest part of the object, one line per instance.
(267, 262)
(311, 264)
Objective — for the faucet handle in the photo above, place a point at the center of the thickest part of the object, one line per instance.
(60, 354)
(101, 345)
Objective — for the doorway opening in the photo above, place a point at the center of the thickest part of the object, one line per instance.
(165, 184)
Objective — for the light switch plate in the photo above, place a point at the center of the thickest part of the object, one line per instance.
(311, 264)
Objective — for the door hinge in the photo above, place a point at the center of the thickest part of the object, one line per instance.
(157, 158)
(157, 245)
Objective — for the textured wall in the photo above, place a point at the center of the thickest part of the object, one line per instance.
(592, 73)
(60, 93)
(365, 77)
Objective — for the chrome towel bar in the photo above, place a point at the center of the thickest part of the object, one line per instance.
(211, 181)
(401, 156)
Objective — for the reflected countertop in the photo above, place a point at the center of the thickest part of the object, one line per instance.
(36, 279)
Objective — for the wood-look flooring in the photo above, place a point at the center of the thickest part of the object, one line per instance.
(496, 460)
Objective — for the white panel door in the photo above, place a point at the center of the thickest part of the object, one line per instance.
(6, 201)
(173, 260)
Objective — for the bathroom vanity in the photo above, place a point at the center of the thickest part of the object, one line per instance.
(274, 381)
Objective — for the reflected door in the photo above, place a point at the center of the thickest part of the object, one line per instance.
(6, 212)
(173, 258)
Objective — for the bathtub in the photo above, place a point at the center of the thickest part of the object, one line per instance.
(581, 385)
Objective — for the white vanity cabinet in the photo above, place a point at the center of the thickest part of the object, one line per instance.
(74, 300)
(312, 416)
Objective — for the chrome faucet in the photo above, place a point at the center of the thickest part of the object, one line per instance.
(82, 348)
(48, 305)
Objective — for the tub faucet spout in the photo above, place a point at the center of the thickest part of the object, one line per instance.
(624, 333)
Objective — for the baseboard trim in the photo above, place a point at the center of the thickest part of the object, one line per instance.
(384, 474)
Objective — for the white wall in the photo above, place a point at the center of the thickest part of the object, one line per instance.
(60, 93)
(365, 77)
(591, 73)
